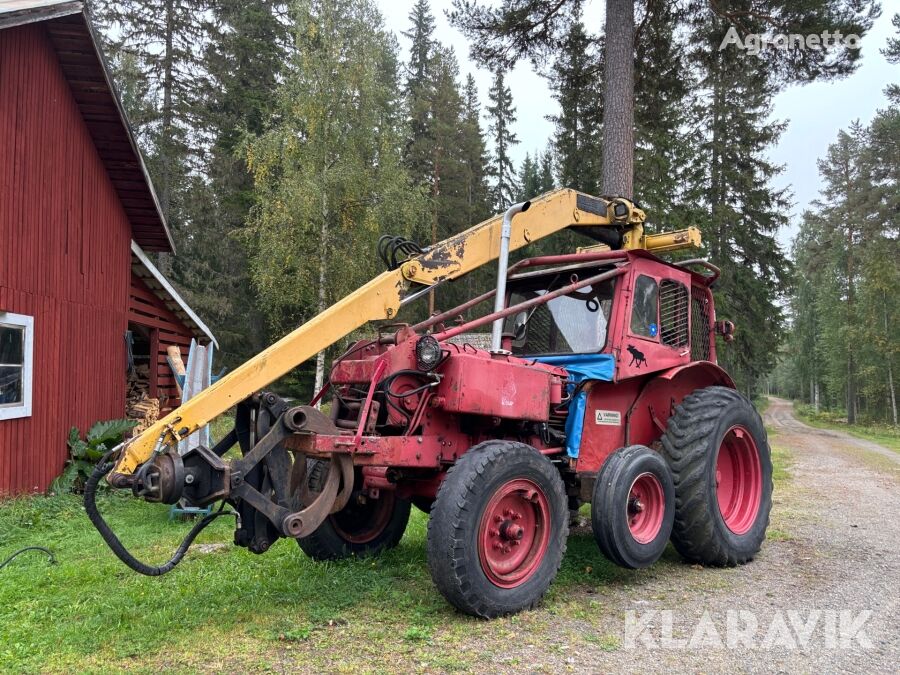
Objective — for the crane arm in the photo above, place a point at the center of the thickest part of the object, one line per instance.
(382, 297)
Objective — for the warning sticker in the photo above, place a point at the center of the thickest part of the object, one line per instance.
(608, 417)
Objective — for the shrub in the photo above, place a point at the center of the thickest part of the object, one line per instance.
(85, 453)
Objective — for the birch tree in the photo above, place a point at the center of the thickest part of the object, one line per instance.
(328, 173)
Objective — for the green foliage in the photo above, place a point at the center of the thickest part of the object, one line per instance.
(577, 87)
(328, 174)
(282, 140)
(502, 115)
(85, 453)
(887, 435)
(845, 349)
(444, 147)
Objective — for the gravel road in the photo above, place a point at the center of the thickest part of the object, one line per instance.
(831, 566)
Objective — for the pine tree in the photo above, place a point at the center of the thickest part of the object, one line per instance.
(545, 173)
(419, 90)
(576, 86)
(473, 151)
(665, 141)
(529, 179)
(166, 39)
(442, 150)
(617, 166)
(502, 114)
(892, 54)
(744, 212)
(243, 62)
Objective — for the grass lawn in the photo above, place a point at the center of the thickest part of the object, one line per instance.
(225, 609)
(883, 434)
(231, 610)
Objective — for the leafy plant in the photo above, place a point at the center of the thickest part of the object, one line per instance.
(85, 453)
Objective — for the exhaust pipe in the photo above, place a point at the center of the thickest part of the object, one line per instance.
(502, 265)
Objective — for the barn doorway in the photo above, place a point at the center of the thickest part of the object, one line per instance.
(141, 402)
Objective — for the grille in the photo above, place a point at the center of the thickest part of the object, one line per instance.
(673, 313)
(699, 325)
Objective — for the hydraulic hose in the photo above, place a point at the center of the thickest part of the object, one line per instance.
(90, 505)
(52, 559)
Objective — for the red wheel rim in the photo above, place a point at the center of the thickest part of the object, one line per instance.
(361, 523)
(646, 508)
(738, 480)
(514, 533)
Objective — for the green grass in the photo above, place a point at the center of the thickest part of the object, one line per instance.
(883, 434)
(781, 463)
(231, 610)
(761, 403)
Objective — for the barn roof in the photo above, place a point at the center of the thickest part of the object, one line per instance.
(157, 282)
(77, 47)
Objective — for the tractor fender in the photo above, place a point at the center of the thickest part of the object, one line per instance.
(636, 411)
(701, 369)
(646, 419)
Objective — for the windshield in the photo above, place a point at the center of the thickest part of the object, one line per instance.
(574, 323)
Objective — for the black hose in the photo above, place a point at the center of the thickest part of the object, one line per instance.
(28, 548)
(90, 505)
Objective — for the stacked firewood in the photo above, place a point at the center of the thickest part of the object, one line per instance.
(138, 404)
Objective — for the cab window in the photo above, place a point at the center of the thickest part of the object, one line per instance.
(645, 308)
(574, 323)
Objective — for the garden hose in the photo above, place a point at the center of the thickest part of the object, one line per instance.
(104, 466)
(52, 560)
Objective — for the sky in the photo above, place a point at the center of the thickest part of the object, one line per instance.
(814, 112)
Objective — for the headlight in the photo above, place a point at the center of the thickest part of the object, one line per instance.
(428, 352)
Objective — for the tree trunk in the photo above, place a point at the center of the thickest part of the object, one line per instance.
(890, 369)
(323, 266)
(167, 113)
(618, 100)
(435, 196)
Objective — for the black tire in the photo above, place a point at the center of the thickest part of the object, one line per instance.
(456, 547)
(705, 422)
(630, 533)
(362, 528)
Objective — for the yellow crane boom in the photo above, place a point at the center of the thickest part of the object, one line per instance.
(382, 297)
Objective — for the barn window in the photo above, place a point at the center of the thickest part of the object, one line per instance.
(16, 363)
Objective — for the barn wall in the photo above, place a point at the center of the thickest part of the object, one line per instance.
(64, 259)
(146, 308)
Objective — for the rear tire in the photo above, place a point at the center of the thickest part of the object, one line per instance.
(498, 529)
(717, 449)
(364, 527)
(633, 507)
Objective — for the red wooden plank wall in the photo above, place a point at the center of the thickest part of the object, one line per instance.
(146, 308)
(64, 259)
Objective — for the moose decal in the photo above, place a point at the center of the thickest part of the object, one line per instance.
(637, 357)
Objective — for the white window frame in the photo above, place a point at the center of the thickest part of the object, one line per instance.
(12, 411)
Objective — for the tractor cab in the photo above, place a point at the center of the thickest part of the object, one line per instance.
(652, 316)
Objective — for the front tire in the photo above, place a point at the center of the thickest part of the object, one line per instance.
(498, 529)
(721, 463)
(364, 527)
(633, 507)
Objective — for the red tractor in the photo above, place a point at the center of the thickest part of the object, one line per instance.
(599, 385)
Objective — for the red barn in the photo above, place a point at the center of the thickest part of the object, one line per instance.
(78, 296)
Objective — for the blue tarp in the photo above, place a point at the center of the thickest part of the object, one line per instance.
(580, 367)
